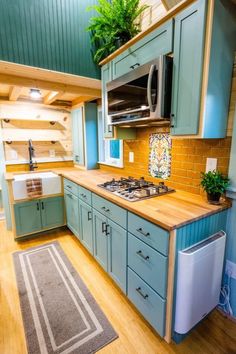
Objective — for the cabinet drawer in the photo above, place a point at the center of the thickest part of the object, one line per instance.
(149, 264)
(71, 186)
(111, 210)
(156, 43)
(153, 235)
(147, 301)
(85, 195)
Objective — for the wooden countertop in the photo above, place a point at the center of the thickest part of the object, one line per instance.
(169, 211)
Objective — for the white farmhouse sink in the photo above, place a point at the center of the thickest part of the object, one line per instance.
(51, 184)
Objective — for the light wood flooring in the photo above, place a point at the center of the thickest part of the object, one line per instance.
(215, 334)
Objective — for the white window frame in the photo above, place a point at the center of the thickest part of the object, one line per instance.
(104, 147)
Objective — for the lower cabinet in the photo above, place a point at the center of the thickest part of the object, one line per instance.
(86, 225)
(72, 212)
(38, 215)
(100, 239)
(110, 248)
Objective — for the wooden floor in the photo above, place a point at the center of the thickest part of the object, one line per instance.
(215, 335)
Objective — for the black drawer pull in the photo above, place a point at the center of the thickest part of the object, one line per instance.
(89, 215)
(105, 209)
(68, 186)
(107, 230)
(134, 65)
(69, 195)
(140, 230)
(104, 227)
(140, 253)
(42, 206)
(83, 195)
(37, 205)
(140, 293)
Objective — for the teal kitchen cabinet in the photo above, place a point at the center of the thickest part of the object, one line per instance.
(86, 225)
(84, 135)
(158, 42)
(72, 212)
(117, 253)
(38, 215)
(106, 77)
(202, 70)
(27, 217)
(110, 248)
(100, 239)
(52, 212)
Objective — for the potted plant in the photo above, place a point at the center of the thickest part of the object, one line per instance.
(117, 23)
(215, 184)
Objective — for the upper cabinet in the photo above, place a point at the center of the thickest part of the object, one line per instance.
(203, 60)
(150, 47)
(201, 39)
(187, 69)
(106, 77)
(84, 130)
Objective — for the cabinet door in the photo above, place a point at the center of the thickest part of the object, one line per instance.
(188, 64)
(78, 136)
(106, 76)
(72, 212)
(52, 211)
(117, 253)
(86, 225)
(27, 217)
(100, 239)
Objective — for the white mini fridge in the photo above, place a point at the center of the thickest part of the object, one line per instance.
(199, 276)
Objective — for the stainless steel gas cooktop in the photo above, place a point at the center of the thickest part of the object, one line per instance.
(133, 189)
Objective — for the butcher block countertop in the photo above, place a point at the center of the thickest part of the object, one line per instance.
(169, 211)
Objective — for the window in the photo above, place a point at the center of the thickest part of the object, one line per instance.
(110, 151)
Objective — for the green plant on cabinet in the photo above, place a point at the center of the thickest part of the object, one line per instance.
(38, 215)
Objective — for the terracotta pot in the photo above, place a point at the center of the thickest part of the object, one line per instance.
(213, 198)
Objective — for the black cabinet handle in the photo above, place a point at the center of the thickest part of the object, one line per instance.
(42, 205)
(107, 230)
(83, 195)
(140, 230)
(68, 186)
(134, 65)
(140, 293)
(172, 116)
(69, 195)
(89, 215)
(140, 253)
(37, 205)
(107, 210)
(104, 227)
(103, 208)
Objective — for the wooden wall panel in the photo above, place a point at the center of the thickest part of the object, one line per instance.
(38, 129)
(49, 34)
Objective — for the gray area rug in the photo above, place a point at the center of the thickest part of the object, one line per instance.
(59, 313)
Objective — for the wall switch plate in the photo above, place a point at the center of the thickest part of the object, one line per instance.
(230, 269)
(52, 153)
(14, 155)
(211, 164)
(131, 156)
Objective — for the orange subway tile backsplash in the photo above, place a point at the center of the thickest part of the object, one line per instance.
(188, 159)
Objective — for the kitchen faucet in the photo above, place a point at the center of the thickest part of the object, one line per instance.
(32, 166)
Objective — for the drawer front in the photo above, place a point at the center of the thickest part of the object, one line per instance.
(156, 43)
(85, 195)
(71, 187)
(153, 235)
(149, 264)
(147, 301)
(112, 211)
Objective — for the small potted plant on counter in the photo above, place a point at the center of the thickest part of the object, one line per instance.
(215, 184)
(117, 23)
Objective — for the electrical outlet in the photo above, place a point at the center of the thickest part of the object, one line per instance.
(230, 269)
(211, 164)
(131, 156)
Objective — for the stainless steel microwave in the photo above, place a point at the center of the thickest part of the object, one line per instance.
(142, 96)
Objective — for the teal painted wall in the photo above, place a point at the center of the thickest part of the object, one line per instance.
(231, 224)
(50, 34)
